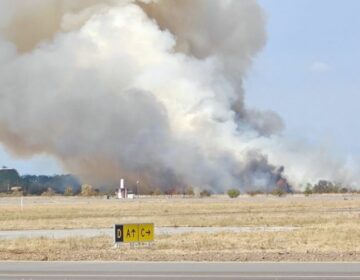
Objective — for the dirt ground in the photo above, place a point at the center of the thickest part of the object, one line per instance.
(327, 228)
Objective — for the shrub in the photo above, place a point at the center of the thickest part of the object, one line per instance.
(17, 193)
(87, 190)
(158, 191)
(344, 190)
(48, 192)
(189, 191)
(205, 193)
(278, 192)
(233, 193)
(308, 190)
(324, 186)
(253, 193)
(69, 191)
(110, 193)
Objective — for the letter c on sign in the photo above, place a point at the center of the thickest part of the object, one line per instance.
(119, 233)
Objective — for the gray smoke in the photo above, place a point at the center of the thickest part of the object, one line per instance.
(148, 90)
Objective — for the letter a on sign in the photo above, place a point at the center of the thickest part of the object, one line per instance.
(131, 233)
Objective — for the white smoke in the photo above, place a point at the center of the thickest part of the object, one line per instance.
(127, 89)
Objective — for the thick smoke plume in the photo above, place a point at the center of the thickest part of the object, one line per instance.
(148, 90)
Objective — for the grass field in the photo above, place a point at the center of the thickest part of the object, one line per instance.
(75, 212)
(328, 228)
(327, 244)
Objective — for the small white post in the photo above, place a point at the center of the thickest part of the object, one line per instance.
(22, 203)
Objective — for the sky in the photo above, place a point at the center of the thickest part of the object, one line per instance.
(307, 73)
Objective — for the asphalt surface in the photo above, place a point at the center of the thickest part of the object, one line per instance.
(186, 270)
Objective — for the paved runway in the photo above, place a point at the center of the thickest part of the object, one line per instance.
(186, 270)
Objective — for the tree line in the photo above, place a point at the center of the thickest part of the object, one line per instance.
(37, 184)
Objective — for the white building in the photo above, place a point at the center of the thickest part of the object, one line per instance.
(122, 191)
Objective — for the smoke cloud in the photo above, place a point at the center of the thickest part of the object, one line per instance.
(148, 90)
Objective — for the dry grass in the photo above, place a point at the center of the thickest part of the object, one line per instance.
(308, 244)
(59, 213)
(328, 228)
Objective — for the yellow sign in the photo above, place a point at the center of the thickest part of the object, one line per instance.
(131, 233)
(146, 232)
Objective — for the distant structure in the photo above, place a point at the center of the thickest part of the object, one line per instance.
(16, 189)
(8, 178)
(122, 192)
